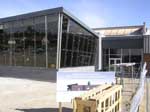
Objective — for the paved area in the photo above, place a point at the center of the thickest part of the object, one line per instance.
(22, 95)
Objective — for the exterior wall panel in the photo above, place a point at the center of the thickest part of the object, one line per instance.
(125, 42)
(147, 44)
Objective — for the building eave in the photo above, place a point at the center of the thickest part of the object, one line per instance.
(119, 27)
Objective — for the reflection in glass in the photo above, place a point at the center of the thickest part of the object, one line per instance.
(23, 42)
(78, 45)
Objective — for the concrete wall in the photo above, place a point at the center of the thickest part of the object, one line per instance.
(31, 73)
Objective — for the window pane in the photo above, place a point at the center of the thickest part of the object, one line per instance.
(52, 39)
(29, 42)
(79, 44)
(23, 42)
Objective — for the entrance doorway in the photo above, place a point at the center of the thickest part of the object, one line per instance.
(112, 62)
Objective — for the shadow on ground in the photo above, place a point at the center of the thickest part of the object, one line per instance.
(46, 110)
(31, 73)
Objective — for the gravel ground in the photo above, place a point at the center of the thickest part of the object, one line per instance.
(22, 95)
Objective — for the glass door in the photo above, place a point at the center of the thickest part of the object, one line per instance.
(112, 62)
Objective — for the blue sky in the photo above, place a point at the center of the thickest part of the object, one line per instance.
(94, 13)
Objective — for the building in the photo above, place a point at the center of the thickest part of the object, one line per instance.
(77, 87)
(124, 44)
(51, 38)
(104, 98)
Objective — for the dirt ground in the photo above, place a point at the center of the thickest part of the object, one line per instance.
(129, 89)
(22, 95)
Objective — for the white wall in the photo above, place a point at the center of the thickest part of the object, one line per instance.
(78, 69)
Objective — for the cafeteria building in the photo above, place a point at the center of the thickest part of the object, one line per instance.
(51, 38)
(38, 44)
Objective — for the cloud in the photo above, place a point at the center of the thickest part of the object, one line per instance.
(89, 12)
(92, 20)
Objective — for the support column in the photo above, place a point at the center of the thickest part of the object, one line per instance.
(46, 42)
(59, 38)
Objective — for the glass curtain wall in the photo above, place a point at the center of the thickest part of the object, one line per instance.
(78, 46)
(126, 56)
(52, 31)
(4, 46)
(23, 42)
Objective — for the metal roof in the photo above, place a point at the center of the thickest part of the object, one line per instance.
(47, 12)
(119, 27)
(122, 30)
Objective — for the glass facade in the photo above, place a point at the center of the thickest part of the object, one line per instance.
(121, 56)
(33, 41)
(78, 46)
(24, 42)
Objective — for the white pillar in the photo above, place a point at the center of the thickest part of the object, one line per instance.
(100, 53)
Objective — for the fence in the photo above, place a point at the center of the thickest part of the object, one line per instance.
(140, 92)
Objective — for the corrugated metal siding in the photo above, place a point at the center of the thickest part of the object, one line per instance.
(147, 44)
